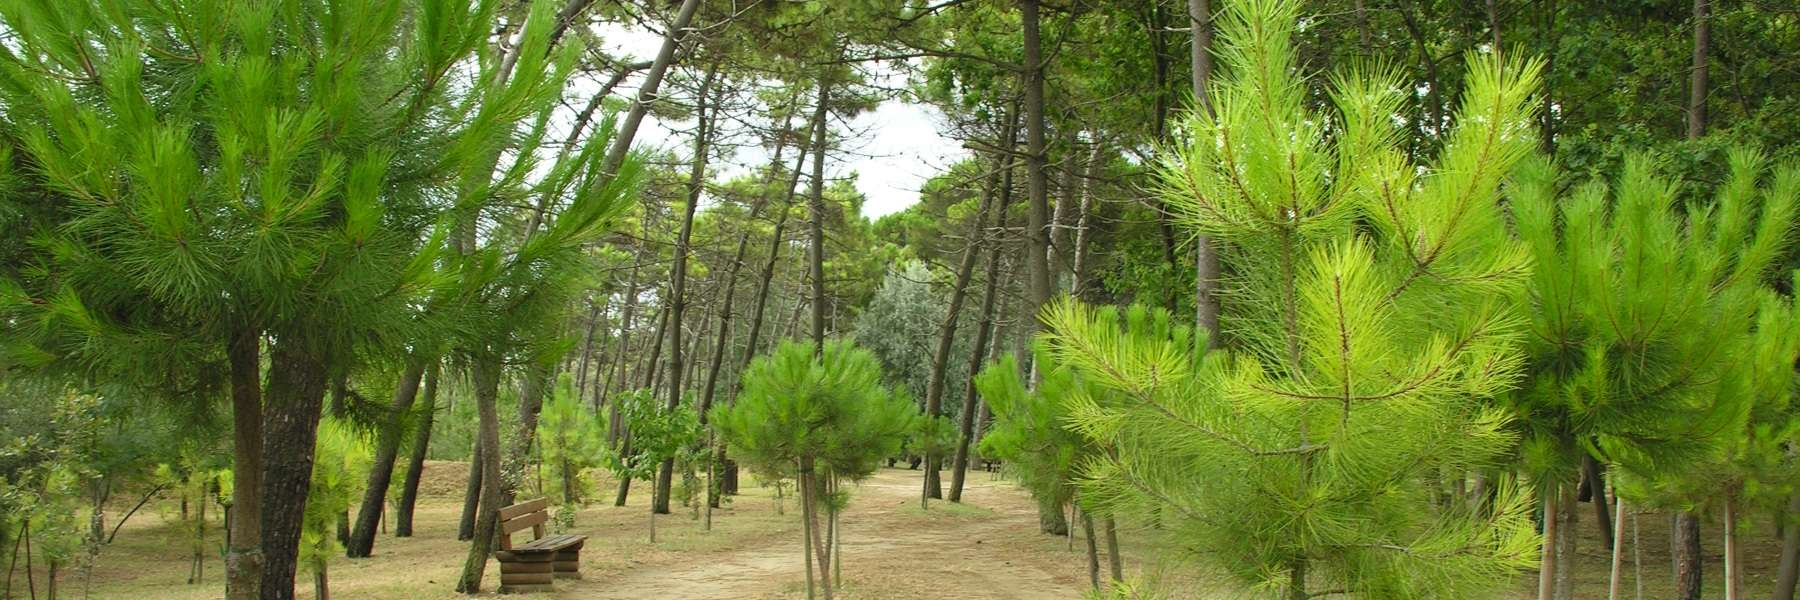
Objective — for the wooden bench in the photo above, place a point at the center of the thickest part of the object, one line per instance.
(532, 566)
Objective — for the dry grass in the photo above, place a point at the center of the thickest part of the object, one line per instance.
(988, 547)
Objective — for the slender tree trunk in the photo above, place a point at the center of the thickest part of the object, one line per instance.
(1697, 76)
(1116, 562)
(647, 93)
(1568, 533)
(587, 348)
(983, 333)
(472, 494)
(1734, 557)
(381, 472)
(1547, 563)
(415, 468)
(626, 322)
(295, 396)
(1789, 571)
(665, 475)
(244, 561)
(1093, 550)
(940, 359)
(485, 372)
(1036, 241)
(1547, 114)
(1618, 554)
(517, 460)
(1206, 255)
(816, 226)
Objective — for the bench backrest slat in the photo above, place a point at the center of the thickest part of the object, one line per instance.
(525, 522)
(522, 508)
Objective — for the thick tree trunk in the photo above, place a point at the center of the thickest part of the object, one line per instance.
(296, 393)
(1547, 562)
(665, 475)
(244, 561)
(485, 372)
(1594, 476)
(1036, 240)
(1116, 562)
(381, 472)
(1688, 556)
(1568, 533)
(1206, 255)
(1789, 571)
(415, 467)
(1093, 550)
(816, 224)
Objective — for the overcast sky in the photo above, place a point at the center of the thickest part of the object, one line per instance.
(892, 149)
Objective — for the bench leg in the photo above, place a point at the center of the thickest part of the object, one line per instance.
(530, 573)
(568, 563)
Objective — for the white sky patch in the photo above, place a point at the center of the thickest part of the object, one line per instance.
(892, 150)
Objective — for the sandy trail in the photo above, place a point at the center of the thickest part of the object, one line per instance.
(989, 548)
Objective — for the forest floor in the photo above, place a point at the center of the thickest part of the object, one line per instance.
(989, 548)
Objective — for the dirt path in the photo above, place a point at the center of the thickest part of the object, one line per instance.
(987, 548)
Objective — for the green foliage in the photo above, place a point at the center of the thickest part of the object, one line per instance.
(1370, 305)
(571, 440)
(831, 410)
(1031, 428)
(340, 461)
(1652, 324)
(655, 434)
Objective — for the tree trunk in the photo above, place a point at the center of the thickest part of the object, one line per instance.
(415, 468)
(626, 322)
(1036, 242)
(1688, 556)
(1206, 255)
(1568, 533)
(1595, 475)
(1697, 77)
(485, 372)
(517, 460)
(1618, 554)
(587, 347)
(1789, 572)
(1547, 562)
(1093, 550)
(665, 475)
(244, 561)
(472, 494)
(940, 359)
(983, 334)
(816, 225)
(1116, 562)
(647, 93)
(295, 395)
(381, 472)
(1734, 567)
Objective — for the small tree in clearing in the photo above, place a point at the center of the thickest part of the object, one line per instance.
(654, 435)
(825, 414)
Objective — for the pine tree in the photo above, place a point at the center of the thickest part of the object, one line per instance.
(1643, 313)
(1370, 305)
(825, 418)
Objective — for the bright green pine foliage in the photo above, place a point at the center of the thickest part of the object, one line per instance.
(340, 461)
(1371, 315)
(1655, 339)
(571, 440)
(833, 409)
(1031, 432)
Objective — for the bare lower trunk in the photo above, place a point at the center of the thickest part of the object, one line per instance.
(381, 472)
(1688, 556)
(471, 495)
(244, 561)
(485, 373)
(1093, 550)
(1734, 566)
(1697, 75)
(1618, 554)
(1036, 237)
(1547, 563)
(1789, 572)
(816, 225)
(295, 396)
(415, 467)
(1568, 513)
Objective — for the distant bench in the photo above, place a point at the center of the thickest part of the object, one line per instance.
(531, 567)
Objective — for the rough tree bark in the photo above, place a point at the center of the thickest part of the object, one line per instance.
(1036, 240)
(295, 396)
(381, 472)
(1206, 255)
(485, 374)
(244, 561)
(415, 468)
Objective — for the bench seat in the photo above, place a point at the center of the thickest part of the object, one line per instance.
(533, 565)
